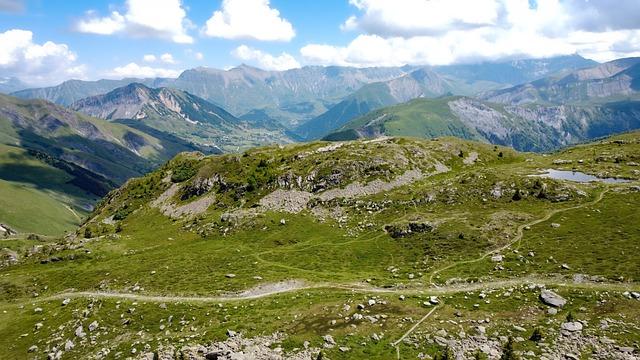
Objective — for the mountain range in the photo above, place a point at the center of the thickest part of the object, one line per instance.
(465, 80)
(295, 96)
(611, 81)
(533, 127)
(181, 114)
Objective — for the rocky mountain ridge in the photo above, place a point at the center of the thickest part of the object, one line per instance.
(181, 114)
(528, 128)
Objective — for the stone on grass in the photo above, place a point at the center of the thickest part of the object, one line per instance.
(328, 341)
(572, 326)
(69, 345)
(93, 326)
(552, 299)
(80, 332)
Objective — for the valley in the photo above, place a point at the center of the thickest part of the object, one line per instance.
(386, 248)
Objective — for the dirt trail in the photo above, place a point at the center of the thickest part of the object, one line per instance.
(271, 289)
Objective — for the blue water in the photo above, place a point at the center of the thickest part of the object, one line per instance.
(577, 176)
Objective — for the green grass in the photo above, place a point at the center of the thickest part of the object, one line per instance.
(35, 197)
(191, 256)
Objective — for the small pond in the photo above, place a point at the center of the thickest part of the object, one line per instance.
(577, 176)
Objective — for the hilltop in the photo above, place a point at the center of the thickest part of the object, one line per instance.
(358, 249)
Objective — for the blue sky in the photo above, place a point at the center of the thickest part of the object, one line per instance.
(55, 21)
(47, 41)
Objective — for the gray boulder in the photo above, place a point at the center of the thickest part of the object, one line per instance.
(552, 299)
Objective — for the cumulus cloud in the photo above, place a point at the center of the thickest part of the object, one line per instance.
(133, 70)
(264, 60)
(165, 19)
(248, 19)
(438, 32)
(149, 58)
(420, 17)
(167, 58)
(37, 64)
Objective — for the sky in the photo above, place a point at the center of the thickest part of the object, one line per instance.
(44, 42)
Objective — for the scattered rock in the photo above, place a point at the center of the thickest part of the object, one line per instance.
(572, 326)
(93, 326)
(497, 258)
(552, 299)
(68, 345)
(230, 276)
(80, 332)
(328, 341)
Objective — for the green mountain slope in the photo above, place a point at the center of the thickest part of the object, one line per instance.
(65, 161)
(430, 82)
(181, 114)
(528, 128)
(296, 250)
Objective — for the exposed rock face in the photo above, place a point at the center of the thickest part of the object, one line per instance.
(295, 201)
(610, 79)
(8, 257)
(166, 205)
(404, 230)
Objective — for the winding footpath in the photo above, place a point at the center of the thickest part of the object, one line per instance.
(268, 290)
(518, 237)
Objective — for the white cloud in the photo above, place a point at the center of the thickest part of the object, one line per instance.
(165, 19)
(134, 70)
(167, 58)
(249, 19)
(149, 58)
(264, 60)
(36, 64)
(438, 32)
(199, 56)
(102, 26)
(420, 17)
